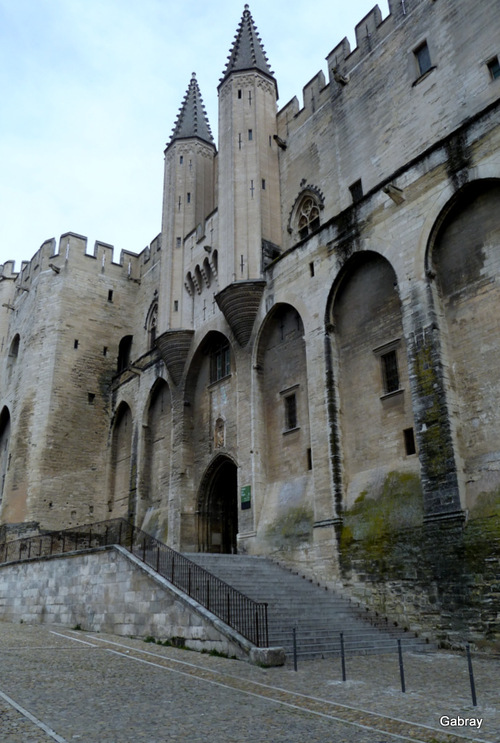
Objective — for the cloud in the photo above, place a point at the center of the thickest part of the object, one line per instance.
(91, 91)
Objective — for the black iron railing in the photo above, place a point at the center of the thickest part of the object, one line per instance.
(246, 616)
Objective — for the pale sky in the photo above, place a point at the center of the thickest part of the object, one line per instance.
(90, 91)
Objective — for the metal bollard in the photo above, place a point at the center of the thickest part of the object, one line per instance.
(294, 649)
(471, 677)
(401, 668)
(342, 655)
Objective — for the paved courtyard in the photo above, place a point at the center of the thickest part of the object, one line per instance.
(63, 685)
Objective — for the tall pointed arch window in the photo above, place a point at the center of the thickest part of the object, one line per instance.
(152, 326)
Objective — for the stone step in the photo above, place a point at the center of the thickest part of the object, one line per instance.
(319, 615)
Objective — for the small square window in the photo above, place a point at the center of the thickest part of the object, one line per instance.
(356, 191)
(290, 412)
(494, 68)
(423, 58)
(390, 372)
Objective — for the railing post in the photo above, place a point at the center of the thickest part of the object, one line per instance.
(173, 569)
(144, 549)
(229, 609)
(90, 537)
(29, 549)
(106, 536)
(20, 545)
(119, 534)
(131, 537)
(51, 542)
(208, 594)
(189, 581)
(76, 541)
(63, 541)
(157, 558)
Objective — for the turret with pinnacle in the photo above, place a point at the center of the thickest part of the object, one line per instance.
(188, 195)
(249, 201)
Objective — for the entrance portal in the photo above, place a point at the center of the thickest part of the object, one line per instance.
(218, 515)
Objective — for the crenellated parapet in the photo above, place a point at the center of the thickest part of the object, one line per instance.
(73, 251)
(384, 103)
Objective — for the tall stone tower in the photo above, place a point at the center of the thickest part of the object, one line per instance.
(187, 198)
(248, 181)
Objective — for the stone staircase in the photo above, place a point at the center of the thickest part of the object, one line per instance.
(318, 615)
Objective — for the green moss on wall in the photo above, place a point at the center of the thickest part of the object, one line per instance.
(396, 506)
(292, 528)
(446, 570)
(487, 504)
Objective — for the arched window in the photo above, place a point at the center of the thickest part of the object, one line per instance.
(14, 347)
(124, 351)
(152, 325)
(307, 217)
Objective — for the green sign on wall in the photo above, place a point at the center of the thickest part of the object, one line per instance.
(246, 497)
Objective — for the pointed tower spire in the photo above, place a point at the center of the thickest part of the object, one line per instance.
(247, 52)
(192, 120)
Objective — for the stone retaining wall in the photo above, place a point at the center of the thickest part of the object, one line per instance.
(109, 590)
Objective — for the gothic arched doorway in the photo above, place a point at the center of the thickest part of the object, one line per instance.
(218, 512)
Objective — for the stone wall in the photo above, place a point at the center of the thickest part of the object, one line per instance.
(439, 578)
(109, 590)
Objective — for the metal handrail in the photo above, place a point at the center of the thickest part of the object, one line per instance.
(246, 616)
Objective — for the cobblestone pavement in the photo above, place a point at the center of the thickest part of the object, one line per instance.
(61, 685)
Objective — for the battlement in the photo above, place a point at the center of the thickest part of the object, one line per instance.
(371, 31)
(387, 100)
(73, 251)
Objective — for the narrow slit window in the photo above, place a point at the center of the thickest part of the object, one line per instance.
(409, 438)
(290, 412)
(250, 135)
(110, 295)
